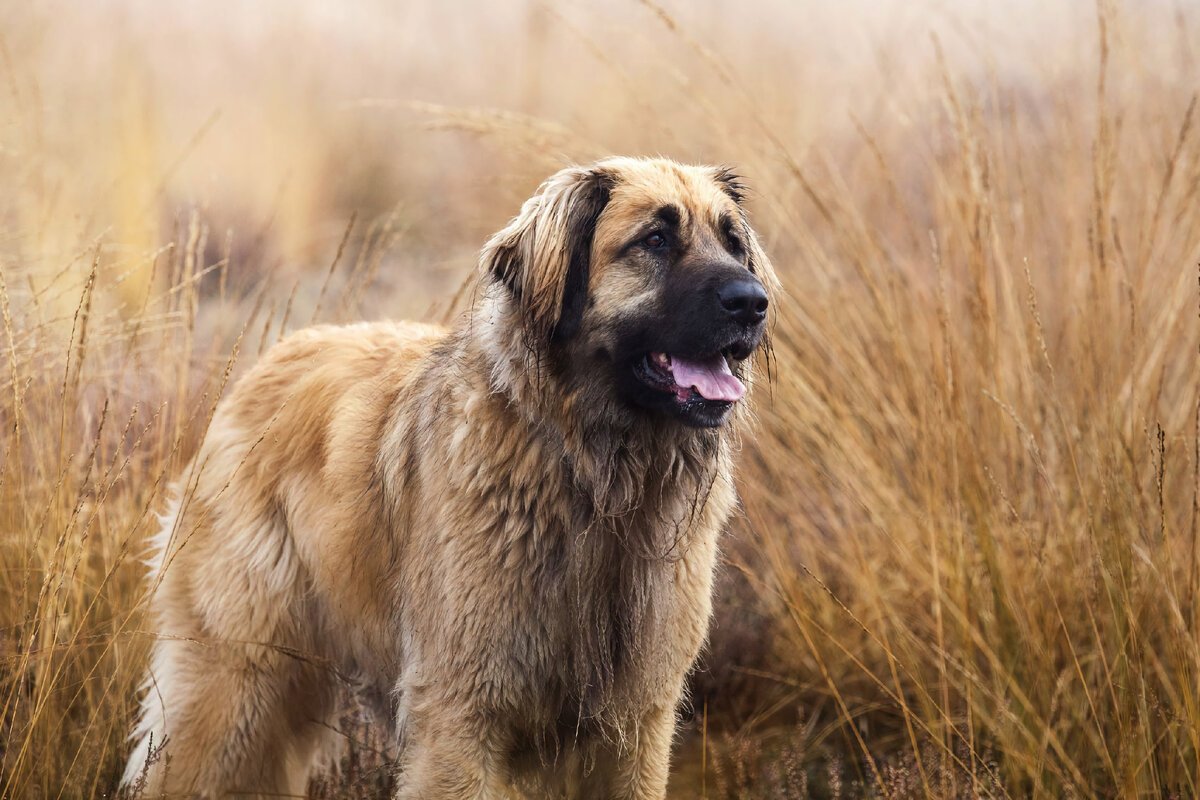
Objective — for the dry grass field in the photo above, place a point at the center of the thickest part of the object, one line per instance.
(968, 557)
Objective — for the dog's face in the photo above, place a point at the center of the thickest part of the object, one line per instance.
(643, 284)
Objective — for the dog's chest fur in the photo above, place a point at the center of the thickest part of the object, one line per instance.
(574, 571)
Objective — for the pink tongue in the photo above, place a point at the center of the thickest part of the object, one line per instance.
(712, 379)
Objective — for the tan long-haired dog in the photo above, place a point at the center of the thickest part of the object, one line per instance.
(506, 531)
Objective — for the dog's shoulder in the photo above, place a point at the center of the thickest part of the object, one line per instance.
(310, 379)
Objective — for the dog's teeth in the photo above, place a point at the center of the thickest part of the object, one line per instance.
(662, 358)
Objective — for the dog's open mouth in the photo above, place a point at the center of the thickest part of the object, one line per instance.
(705, 379)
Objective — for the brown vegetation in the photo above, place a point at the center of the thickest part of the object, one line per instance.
(968, 560)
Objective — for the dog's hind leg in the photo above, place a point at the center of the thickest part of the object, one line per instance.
(235, 720)
(231, 695)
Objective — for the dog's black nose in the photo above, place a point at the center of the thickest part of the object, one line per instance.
(744, 299)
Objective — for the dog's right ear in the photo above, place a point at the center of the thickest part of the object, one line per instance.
(543, 255)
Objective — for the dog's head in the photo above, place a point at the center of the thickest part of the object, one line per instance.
(641, 284)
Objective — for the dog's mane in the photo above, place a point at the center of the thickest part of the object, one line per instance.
(641, 487)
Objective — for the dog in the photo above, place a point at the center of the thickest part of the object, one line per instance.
(505, 533)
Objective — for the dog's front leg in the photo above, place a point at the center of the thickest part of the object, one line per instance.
(454, 760)
(642, 770)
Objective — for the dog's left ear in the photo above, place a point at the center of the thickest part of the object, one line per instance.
(543, 255)
(756, 257)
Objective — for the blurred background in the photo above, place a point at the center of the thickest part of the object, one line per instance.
(278, 121)
(966, 561)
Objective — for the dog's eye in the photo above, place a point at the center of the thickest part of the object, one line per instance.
(733, 241)
(655, 241)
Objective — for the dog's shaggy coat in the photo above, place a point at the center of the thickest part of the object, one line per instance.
(477, 526)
